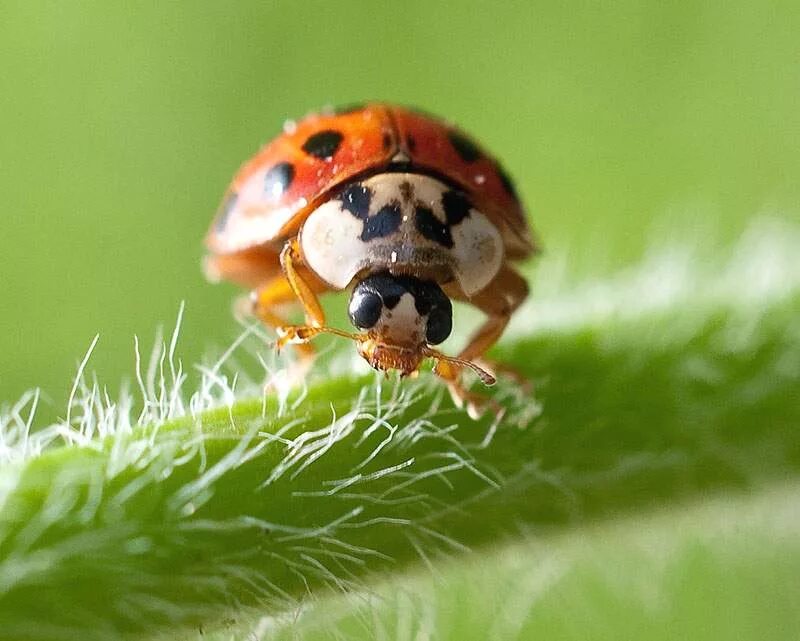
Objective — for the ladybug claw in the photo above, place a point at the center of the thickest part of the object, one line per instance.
(285, 337)
(476, 405)
(294, 335)
(524, 383)
(300, 335)
(297, 336)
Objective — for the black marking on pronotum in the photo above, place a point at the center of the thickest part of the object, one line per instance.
(456, 206)
(278, 179)
(506, 181)
(432, 228)
(323, 144)
(384, 223)
(356, 199)
(225, 210)
(465, 148)
(406, 191)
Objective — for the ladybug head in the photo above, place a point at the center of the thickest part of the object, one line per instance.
(402, 311)
(399, 317)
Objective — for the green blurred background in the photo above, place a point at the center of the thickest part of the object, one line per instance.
(121, 125)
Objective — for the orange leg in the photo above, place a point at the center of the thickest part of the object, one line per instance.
(277, 278)
(499, 300)
(295, 284)
(266, 298)
(290, 258)
(249, 268)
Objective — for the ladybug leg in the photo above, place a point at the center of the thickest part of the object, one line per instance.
(475, 404)
(249, 268)
(498, 300)
(263, 303)
(290, 260)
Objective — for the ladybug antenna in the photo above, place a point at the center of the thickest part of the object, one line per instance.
(296, 334)
(486, 377)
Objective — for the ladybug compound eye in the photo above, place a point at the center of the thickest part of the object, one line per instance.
(365, 308)
(440, 324)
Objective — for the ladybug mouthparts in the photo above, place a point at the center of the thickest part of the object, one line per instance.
(384, 357)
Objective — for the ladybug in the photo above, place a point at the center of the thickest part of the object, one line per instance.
(397, 206)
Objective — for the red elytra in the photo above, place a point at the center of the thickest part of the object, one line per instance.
(274, 192)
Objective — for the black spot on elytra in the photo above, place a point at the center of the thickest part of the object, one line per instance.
(224, 212)
(411, 144)
(278, 179)
(456, 206)
(467, 150)
(348, 109)
(323, 144)
(384, 223)
(387, 140)
(432, 228)
(356, 199)
(506, 181)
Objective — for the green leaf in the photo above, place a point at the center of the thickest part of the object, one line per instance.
(722, 568)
